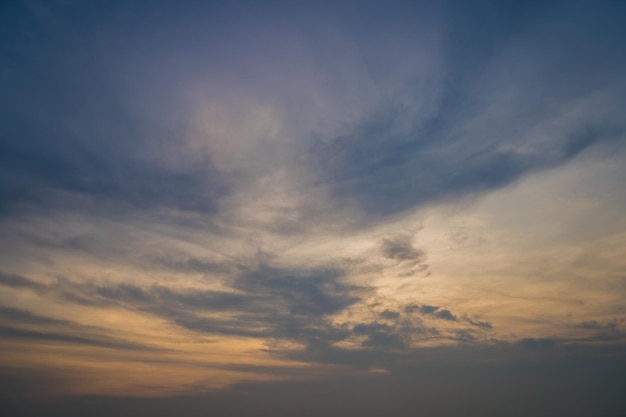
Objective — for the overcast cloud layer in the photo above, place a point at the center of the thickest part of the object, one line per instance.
(235, 208)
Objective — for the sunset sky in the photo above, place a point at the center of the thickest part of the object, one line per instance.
(313, 208)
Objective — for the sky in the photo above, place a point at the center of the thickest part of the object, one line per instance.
(312, 208)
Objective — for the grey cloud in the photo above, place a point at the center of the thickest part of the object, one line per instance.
(275, 303)
(158, 295)
(410, 259)
(464, 336)
(15, 315)
(23, 324)
(595, 325)
(131, 295)
(433, 311)
(111, 343)
(106, 181)
(70, 134)
(379, 335)
(390, 315)
(401, 248)
(539, 343)
(201, 324)
(265, 302)
(609, 331)
(195, 265)
(411, 308)
(426, 309)
(263, 323)
(385, 340)
(487, 107)
(178, 306)
(478, 323)
(416, 176)
(611, 335)
(315, 292)
(17, 281)
(93, 132)
(445, 315)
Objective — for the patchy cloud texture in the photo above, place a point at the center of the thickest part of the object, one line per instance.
(315, 208)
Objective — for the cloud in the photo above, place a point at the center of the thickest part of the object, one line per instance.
(18, 325)
(274, 303)
(250, 176)
(478, 323)
(426, 309)
(401, 248)
(532, 343)
(379, 335)
(111, 343)
(17, 281)
(264, 301)
(595, 325)
(389, 315)
(494, 119)
(71, 138)
(445, 315)
(446, 120)
(316, 292)
(15, 315)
